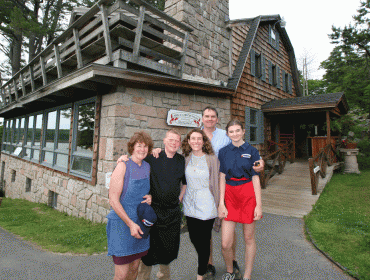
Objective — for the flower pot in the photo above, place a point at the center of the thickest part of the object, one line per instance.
(351, 145)
(1, 199)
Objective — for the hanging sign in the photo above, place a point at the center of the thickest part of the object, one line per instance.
(182, 118)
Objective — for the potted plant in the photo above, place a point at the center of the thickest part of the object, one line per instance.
(350, 142)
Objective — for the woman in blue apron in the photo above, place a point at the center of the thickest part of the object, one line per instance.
(129, 186)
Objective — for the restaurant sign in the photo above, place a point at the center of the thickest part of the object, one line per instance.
(182, 118)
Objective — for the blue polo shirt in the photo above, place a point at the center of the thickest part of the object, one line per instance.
(219, 140)
(237, 162)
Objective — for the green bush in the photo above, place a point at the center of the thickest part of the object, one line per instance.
(363, 157)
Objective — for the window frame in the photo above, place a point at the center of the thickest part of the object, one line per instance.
(258, 65)
(274, 42)
(71, 152)
(259, 126)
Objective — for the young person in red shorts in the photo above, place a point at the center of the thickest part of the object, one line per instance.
(240, 196)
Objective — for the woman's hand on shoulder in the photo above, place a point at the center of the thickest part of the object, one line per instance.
(135, 230)
(123, 158)
(222, 211)
(257, 213)
(156, 152)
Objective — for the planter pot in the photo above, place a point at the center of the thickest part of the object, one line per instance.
(351, 145)
(1, 199)
(350, 160)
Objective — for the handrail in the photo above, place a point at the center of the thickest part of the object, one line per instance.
(319, 163)
(68, 47)
(281, 155)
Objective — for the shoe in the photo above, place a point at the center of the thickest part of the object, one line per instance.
(236, 271)
(228, 276)
(210, 272)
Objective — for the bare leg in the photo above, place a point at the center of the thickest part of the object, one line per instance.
(227, 237)
(144, 272)
(126, 271)
(250, 248)
(164, 272)
(234, 247)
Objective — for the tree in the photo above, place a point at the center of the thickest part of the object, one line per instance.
(347, 68)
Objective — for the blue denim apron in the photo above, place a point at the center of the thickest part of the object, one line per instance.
(120, 241)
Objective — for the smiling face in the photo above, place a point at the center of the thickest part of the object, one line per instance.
(209, 119)
(140, 151)
(196, 141)
(172, 143)
(235, 133)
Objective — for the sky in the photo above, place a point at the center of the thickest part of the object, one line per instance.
(308, 23)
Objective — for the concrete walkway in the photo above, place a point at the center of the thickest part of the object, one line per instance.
(283, 253)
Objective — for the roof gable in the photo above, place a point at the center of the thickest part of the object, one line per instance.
(255, 23)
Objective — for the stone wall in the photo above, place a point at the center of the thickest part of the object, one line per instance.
(124, 111)
(207, 58)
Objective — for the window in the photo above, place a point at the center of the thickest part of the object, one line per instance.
(13, 173)
(83, 138)
(28, 184)
(44, 137)
(274, 74)
(258, 63)
(287, 82)
(274, 38)
(52, 199)
(254, 130)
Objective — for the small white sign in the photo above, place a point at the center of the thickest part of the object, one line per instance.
(17, 151)
(107, 179)
(316, 169)
(182, 118)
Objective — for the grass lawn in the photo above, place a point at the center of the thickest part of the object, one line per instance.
(51, 229)
(340, 222)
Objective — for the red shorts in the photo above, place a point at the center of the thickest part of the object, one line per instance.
(240, 202)
(128, 259)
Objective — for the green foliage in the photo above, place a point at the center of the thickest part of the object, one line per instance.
(363, 157)
(340, 222)
(51, 229)
(347, 68)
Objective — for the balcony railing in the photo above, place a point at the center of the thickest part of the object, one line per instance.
(141, 38)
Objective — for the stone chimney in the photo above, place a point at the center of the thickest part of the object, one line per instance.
(207, 58)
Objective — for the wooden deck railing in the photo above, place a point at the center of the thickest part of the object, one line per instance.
(107, 33)
(319, 163)
(280, 156)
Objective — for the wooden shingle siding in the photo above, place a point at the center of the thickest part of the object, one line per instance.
(253, 91)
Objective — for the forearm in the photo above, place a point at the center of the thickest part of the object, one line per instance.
(222, 188)
(120, 211)
(182, 193)
(257, 189)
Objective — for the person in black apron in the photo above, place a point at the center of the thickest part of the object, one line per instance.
(129, 186)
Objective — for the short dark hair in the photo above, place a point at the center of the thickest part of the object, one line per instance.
(141, 137)
(210, 108)
(233, 122)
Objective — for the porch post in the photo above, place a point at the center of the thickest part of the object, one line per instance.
(328, 136)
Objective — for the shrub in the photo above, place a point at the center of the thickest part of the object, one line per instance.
(363, 157)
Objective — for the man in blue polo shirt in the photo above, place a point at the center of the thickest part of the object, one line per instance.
(219, 139)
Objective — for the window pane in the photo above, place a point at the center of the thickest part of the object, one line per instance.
(30, 130)
(16, 131)
(37, 137)
(36, 154)
(50, 130)
(5, 132)
(48, 157)
(21, 130)
(81, 164)
(10, 135)
(85, 129)
(27, 153)
(253, 117)
(62, 161)
(64, 129)
(253, 134)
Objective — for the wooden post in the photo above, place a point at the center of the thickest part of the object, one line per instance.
(139, 32)
(78, 48)
(23, 85)
(328, 138)
(313, 176)
(183, 54)
(105, 22)
(43, 71)
(15, 89)
(32, 78)
(57, 61)
(10, 93)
